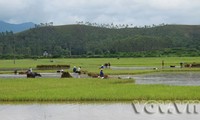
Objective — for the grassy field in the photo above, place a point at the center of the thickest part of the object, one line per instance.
(42, 89)
(93, 64)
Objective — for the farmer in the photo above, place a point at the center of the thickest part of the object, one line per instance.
(163, 63)
(109, 65)
(78, 70)
(181, 64)
(101, 67)
(74, 69)
(101, 73)
(15, 71)
(30, 70)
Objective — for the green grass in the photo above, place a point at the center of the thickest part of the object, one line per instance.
(56, 89)
(52, 90)
(92, 64)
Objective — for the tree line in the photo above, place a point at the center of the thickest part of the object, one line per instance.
(91, 41)
(117, 26)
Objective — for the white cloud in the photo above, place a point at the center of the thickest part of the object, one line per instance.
(137, 12)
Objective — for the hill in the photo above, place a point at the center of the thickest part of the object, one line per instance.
(15, 27)
(82, 40)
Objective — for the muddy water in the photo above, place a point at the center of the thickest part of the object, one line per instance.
(44, 75)
(171, 78)
(87, 112)
(185, 78)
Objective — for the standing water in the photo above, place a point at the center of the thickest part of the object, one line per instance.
(115, 111)
(170, 78)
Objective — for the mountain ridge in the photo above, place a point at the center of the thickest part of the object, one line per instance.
(4, 26)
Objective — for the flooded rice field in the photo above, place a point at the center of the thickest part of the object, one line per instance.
(113, 111)
(170, 78)
(185, 78)
(44, 75)
(108, 111)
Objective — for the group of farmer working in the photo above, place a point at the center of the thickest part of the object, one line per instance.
(77, 70)
(106, 65)
(101, 73)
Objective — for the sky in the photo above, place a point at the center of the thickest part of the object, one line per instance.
(136, 12)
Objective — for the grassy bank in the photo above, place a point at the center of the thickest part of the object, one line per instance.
(42, 89)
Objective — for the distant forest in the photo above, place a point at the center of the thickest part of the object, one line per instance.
(94, 40)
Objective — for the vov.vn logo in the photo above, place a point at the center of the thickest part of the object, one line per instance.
(166, 107)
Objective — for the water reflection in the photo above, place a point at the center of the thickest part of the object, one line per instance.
(171, 78)
(82, 112)
(185, 78)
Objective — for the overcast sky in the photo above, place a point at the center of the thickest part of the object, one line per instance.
(136, 12)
